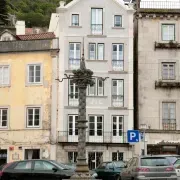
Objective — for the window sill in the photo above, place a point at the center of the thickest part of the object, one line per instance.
(71, 107)
(38, 128)
(4, 128)
(34, 84)
(75, 26)
(5, 86)
(117, 72)
(96, 60)
(118, 28)
(117, 108)
(96, 96)
(167, 84)
(96, 36)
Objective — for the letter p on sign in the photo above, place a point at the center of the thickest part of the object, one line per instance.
(133, 136)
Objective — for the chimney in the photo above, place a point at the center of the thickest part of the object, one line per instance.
(20, 28)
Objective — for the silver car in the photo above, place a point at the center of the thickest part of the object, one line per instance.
(149, 168)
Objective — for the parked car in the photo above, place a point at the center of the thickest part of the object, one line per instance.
(149, 167)
(36, 170)
(177, 167)
(109, 170)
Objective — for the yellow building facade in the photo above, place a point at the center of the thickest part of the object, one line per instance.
(26, 77)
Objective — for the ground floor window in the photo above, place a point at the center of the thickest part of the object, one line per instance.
(72, 157)
(32, 154)
(94, 159)
(3, 156)
(117, 156)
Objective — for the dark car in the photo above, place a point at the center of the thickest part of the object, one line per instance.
(109, 170)
(36, 170)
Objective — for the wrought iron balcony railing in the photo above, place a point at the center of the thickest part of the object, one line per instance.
(165, 4)
(105, 137)
(169, 126)
(117, 100)
(118, 65)
(74, 63)
(97, 29)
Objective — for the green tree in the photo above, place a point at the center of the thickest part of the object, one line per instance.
(3, 11)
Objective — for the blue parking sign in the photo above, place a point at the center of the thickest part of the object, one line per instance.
(133, 136)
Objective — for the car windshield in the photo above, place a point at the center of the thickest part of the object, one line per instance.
(119, 164)
(154, 161)
(61, 165)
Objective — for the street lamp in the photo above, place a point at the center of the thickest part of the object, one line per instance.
(144, 127)
(82, 77)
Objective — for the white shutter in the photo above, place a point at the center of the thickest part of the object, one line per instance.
(100, 51)
(100, 88)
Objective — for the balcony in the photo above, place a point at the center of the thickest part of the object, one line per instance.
(165, 4)
(167, 84)
(168, 45)
(170, 125)
(106, 137)
(96, 29)
(117, 65)
(117, 100)
(74, 64)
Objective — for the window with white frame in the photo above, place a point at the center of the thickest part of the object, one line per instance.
(3, 117)
(96, 51)
(73, 122)
(75, 20)
(97, 89)
(34, 73)
(97, 21)
(73, 93)
(117, 92)
(118, 57)
(168, 71)
(74, 55)
(72, 157)
(96, 125)
(118, 125)
(117, 21)
(168, 32)
(33, 116)
(4, 75)
(169, 115)
(117, 156)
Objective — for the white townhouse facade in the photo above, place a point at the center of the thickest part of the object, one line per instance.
(105, 29)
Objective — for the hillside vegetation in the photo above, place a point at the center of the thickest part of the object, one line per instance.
(34, 12)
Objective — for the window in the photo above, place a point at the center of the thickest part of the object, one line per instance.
(94, 159)
(118, 125)
(43, 165)
(32, 154)
(3, 117)
(6, 38)
(25, 165)
(95, 125)
(117, 93)
(73, 94)
(72, 157)
(73, 122)
(33, 116)
(117, 156)
(75, 19)
(169, 116)
(117, 21)
(97, 21)
(118, 57)
(96, 54)
(97, 89)
(34, 73)
(4, 75)
(74, 55)
(168, 32)
(168, 71)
